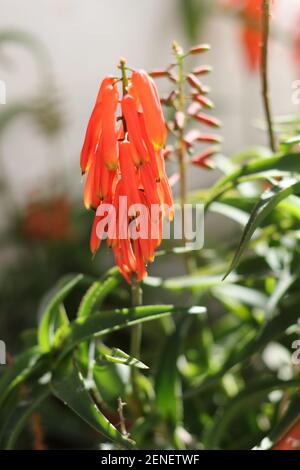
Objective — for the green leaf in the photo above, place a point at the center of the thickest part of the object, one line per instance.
(19, 371)
(231, 212)
(97, 293)
(102, 323)
(23, 409)
(270, 331)
(283, 163)
(251, 154)
(51, 310)
(118, 356)
(183, 282)
(268, 201)
(23, 38)
(68, 385)
(245, 295)
(167, 381)
(254, 393)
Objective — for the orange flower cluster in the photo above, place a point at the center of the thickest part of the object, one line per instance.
(122, 156)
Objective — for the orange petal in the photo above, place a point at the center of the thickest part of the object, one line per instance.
(89, 196)
(109, 137)
(107, 81)
(151, 151)
(141, 270)
(94, 127)
(129, 173)
(95, 241)
(133, 126)
(91, 140)
(149, 184)
(147, 93)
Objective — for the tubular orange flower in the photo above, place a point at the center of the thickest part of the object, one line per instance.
(152, 153)
(125, 168)
(109, 128)
(94, 127)
(129, 173)
(133, 126)
(147, 94)
(91, 199)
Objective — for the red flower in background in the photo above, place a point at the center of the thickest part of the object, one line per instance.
(123, 158)
(251, 31)
(250, 12)
(49, 220)
(290, 440)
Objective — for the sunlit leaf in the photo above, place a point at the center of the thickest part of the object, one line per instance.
(50, 308)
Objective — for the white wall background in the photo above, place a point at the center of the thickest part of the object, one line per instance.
(85, 40)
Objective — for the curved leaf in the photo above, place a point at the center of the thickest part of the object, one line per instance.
(269, 199)
(102, 323)
(97, 293)
(284, 163)
(46, 331)
(11, 429)
(18, 372)
(68, 385)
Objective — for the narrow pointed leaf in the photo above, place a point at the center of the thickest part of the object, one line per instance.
(97, 293)
(68, 385)
(118, 356)
(46, 332)
(268, 201)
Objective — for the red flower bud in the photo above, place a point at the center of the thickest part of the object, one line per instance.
(208, 120)
(203, 158)
(202, 70)
(195, 83)
(199, 49)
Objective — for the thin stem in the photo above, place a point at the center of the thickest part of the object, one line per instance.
(136, 338)
(136, 299)
(264, 72)
(181, 147)
(124, 79)
(179, 54)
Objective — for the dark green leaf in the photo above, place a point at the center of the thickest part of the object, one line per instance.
(68, 385)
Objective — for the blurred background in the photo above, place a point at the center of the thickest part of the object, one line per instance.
(53, 55)
(83, 43)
